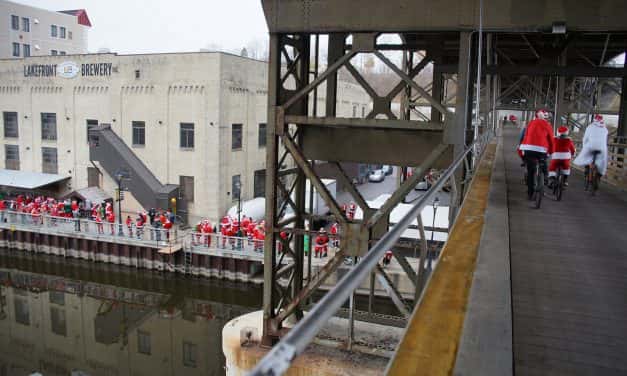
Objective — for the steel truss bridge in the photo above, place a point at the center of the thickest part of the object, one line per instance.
(492, 55)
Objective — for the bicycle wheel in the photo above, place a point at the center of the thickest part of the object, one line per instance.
(559, 187)
(539, 187)
(595, 182)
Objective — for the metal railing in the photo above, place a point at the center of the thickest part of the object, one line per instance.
(616, 161)
(148, 235)
(195, 242)
(278, 360)
(202, 242)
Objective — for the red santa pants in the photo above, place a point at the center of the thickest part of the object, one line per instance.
(563, 164)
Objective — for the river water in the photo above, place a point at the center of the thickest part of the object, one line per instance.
(69, 317)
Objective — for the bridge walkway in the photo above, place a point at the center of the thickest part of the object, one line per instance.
(524, 291)
(568, 278)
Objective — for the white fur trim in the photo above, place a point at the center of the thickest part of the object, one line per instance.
(554, 173)
(537, 148)
(561, 155)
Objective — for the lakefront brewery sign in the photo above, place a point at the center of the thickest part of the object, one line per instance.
(69, 69)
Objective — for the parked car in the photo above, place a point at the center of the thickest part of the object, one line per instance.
(422, 185)
(376, 176)
(387, 169)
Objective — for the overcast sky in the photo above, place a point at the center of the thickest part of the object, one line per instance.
(140, 26)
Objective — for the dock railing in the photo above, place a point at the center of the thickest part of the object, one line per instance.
(98, 230)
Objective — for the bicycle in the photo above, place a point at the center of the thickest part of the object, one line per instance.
(558, 187)
(593, 177)
(538, 183)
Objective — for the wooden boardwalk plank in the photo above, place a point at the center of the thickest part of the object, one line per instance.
(569, 279)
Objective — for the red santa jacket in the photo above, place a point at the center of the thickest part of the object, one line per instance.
(538, 137)
(322, 239)
(564, 148)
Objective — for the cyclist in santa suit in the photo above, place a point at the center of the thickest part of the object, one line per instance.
(536, 144)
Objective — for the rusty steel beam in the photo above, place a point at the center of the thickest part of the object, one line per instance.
(300, 160)
(312, 285)
(407, 186)
(365, 123)
(409, 81)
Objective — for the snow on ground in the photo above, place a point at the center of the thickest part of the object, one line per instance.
(441, 217)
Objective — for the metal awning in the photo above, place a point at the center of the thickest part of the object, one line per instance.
(93, 194)
(28, 179)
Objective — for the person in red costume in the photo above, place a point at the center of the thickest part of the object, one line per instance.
(322, 243)
(536, 145)
(335, 235)
(260, 237)
(563, 153)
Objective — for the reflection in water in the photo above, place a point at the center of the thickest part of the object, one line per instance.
(117, 322)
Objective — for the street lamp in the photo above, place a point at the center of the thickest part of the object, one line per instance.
(238, 186)
(436, 203)
(118, 177)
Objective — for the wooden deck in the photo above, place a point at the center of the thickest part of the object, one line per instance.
(569, 278)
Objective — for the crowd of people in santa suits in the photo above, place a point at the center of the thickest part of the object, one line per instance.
(39, 206)
(231, 233)
(101, 213)
(157, 221)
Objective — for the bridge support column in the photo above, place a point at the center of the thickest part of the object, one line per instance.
(622, 113)
(437, 85)
(559, 94)
(455, 133)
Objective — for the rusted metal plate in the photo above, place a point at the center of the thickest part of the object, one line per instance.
(393, 147)
(438, 15)
(355, 239)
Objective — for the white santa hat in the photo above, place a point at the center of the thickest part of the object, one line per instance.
(542, 114)
(562, 131)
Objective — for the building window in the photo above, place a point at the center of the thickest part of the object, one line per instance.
(15, 22)
(69, 35)
(262, 135)
(61, 52)
(22, 311)
(62, 32)
(93, 177)
(143, 342)
(260, 183)
(354, 111)
(58, 321)
(187, 135)
(139, 133)
(16, 49)
(48, 126)
(236, 137)
(10, 124)
(53, 52)
(236, 186)
(137, 74)
(26, 48)
(190, 354)
(363, 112)
(53, 31)
(49, 161)
(25, 24)
(186, 184)
(57, 297)
(12, 157)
